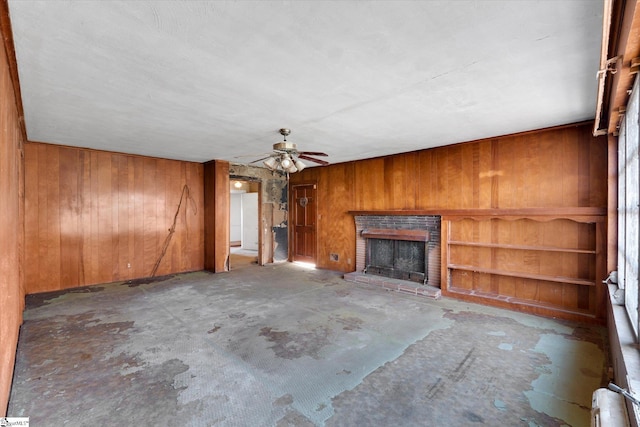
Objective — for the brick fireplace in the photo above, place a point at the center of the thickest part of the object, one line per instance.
(401, 248)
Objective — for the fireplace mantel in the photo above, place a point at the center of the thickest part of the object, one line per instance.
(396, 234)
(578, 214)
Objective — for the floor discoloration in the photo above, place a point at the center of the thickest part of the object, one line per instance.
(294, 345)
(146, 280)
(283, 345)
(472, 381)
(38, 300)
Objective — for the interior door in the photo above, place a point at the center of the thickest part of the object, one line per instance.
(303, 213)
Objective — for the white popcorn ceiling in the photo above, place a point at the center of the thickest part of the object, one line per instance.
(355, 79)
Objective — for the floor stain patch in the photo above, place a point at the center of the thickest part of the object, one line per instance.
(44, 298)
(473, 417)
(351, 323)
(285, 400)
(570, 399)
(294, 418)
(499, 404)
(471, 368)
(83, 372)
(215, 328)
(295, 345)
(147, 280)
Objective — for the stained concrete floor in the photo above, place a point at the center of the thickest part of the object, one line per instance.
(287, 346)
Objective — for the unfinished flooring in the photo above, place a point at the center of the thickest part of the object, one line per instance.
(287, 346)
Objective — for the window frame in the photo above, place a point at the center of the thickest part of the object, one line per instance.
(629, 208)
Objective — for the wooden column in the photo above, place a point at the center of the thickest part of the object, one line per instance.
(216, 215)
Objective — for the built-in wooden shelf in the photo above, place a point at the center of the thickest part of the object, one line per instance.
(532, 276)
(570, 285)
(581, 214)
(523, 304)
(522, 247)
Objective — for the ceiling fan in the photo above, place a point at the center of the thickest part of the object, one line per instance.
(286, 156)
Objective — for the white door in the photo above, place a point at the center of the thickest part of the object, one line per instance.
(250, 221)
(235, 220)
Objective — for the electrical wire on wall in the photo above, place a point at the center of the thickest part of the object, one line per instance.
(185, 192)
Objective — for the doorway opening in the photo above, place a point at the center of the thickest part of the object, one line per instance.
(244, 222)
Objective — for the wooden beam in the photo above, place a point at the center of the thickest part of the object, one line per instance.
(625, 42)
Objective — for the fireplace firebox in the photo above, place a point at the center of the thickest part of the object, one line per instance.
(405, 247)
(399, 254)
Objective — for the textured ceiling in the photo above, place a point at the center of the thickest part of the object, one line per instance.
(355, 79)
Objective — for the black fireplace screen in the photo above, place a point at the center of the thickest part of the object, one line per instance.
(398, 259)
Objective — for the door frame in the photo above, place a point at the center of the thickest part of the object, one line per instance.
(291, 233)
(248, 179)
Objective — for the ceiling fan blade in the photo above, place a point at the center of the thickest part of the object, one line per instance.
(256, 161)
(311, 159)
(312, 153)
(264, 153)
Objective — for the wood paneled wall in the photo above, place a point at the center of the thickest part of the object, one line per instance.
(96, 217)
(556, 168)
(11, 225)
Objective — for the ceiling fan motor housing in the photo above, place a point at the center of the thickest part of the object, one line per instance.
(285, 146)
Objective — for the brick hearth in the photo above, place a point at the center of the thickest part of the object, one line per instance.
(394, 284)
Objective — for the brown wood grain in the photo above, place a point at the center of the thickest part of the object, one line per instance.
(13, 269)
(542, 175)
(336, 196)
(97, 217)
(217, 201)
(223, 201)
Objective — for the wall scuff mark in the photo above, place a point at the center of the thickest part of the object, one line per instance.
(172, 229)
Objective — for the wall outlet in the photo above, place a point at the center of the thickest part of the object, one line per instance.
(334, 257)
(128, 265)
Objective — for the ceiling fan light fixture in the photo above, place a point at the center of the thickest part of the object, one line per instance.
(271, 163)
(286, 162)
(286, 157)
(300, 165)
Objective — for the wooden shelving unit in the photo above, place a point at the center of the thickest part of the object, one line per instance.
(522, 247)
(548, 262)
(544, 277)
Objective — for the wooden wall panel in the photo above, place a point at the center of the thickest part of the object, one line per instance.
(97, 217)
(11, 217)
(563, 167)
(336, 196)
(368, 183)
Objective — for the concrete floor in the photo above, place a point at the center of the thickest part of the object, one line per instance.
(286, 346)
